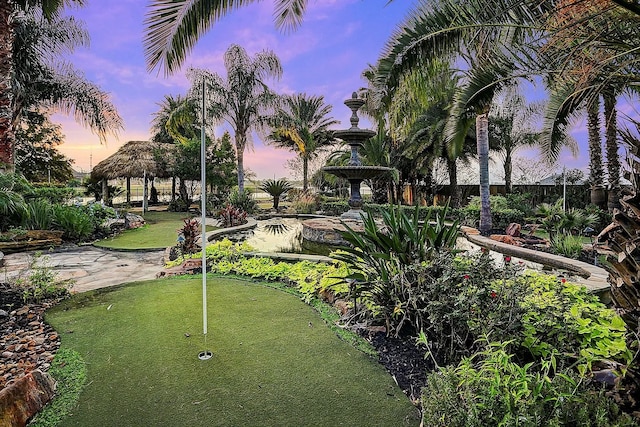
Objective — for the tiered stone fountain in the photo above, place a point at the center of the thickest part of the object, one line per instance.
(326, 230)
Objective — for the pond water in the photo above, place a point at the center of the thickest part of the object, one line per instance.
(280, 235)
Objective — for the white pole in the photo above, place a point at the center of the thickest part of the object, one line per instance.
(203, 209)
(144, 192)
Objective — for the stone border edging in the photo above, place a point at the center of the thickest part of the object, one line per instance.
(597, 278)
(210, 235)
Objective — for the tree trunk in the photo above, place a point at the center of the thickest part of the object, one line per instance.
(241, 142)
(173, 189)
(613, 160)
(508, 167)
(184, 195)
(305, 172)
(128, 190)
(454, 190)
(7, 137)
(596, 172)
(482, 136)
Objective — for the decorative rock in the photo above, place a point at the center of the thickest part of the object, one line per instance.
(513, 229)
(4, 313)
(133, 221)
(24, 398)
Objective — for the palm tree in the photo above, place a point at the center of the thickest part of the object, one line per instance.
(174, 123)
(174, 26)
(276, 188)
(243, 99)
(596, 172)
(60, 88)
(510, 127)
(301, 124)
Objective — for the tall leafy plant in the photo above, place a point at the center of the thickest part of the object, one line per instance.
(383, 259)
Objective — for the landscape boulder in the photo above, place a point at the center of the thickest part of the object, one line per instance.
(24, 398)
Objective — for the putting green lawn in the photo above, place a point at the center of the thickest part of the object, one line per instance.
(275, 362)
(159, 232)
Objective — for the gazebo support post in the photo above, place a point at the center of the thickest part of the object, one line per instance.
(105, 191)
(128, 190)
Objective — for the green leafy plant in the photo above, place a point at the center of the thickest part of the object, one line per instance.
(386, 260)
(276, 188)
(555, 220)
(491, 389)
(242, 200)
(76, 224)
(567, 245)
(39, 215)
(41, 282)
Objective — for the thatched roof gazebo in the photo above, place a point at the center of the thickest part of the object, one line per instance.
(136, 159)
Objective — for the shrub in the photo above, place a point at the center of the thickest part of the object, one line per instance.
(491, 389)
(304, 202)
(231, 216)
(53, 194)
(567, 245)
(242, 201)
(188, 235)
(178, 205)
(387, 262)
(41, 282)
(74, 221)
(38, 215)
(500, 218)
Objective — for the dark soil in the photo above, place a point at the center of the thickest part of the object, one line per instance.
(405, 361)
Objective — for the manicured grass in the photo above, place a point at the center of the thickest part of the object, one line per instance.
(275, 362)
(159, 232)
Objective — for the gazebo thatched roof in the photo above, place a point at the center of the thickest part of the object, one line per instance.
(134, 159)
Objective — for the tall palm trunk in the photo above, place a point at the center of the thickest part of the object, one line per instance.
(454, 189)
(241, 143)
(508, 168)
(596, 172)
(482, 136)
(7, 137)
(613, 161)
(305, 172)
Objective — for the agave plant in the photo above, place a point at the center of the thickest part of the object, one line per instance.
(276, 188)
(381, 257)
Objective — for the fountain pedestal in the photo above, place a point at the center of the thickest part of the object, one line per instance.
(354, 171)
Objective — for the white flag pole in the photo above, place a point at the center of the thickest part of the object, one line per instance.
(206, 354)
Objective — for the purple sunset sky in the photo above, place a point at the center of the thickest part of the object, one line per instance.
(325, 56)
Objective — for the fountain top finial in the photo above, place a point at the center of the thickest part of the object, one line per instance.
(354, 103)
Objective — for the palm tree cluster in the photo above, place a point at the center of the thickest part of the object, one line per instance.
(34, 35)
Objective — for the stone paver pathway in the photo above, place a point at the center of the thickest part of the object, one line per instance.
(90, 267)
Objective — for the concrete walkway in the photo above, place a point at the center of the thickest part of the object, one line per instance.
(90, 267)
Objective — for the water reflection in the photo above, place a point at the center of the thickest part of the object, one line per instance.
(277, 235)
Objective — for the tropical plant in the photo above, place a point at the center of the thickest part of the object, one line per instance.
(491, 388)
(38, 37)
(75, 223)
(276, 188)
(242, 200)
(304, 202)
(242, 99)
(188, 236)
(39, 215)
(301, 124)
(384, 261)
(232, 216)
